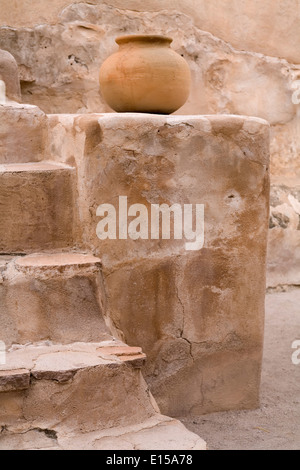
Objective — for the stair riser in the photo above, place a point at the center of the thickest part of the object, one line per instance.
(36, 210)
(96, 398)
(61, 307)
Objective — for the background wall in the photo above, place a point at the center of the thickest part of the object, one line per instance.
(244, 56)
(271, 27)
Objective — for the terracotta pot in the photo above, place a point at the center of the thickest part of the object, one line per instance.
(145, 76)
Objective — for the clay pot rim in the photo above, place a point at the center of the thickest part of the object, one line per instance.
(143, 37)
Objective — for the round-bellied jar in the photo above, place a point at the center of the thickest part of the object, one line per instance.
(145, 75)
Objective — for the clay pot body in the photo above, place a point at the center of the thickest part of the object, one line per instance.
(145, 76)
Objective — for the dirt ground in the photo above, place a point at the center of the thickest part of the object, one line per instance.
(276, 425)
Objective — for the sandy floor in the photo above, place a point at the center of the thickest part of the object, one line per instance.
(276, 425)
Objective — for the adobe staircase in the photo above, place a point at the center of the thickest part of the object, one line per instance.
(67, 383)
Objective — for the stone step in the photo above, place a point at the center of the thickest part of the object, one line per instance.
(55, 296)
(23, 133)
(36, 206)
(157, 433)
(82, 396)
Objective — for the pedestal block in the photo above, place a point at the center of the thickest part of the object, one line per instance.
(197, 314)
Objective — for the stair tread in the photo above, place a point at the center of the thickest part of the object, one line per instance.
(156, 433)
(57, 358)
(40, 260)
(33, 167)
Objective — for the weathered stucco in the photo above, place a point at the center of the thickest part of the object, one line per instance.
(228, 76)
(23, 134)
(247, 24)
(238, 66)
(198, 316)
(82, 396)
(37, 207)
(57, 297)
